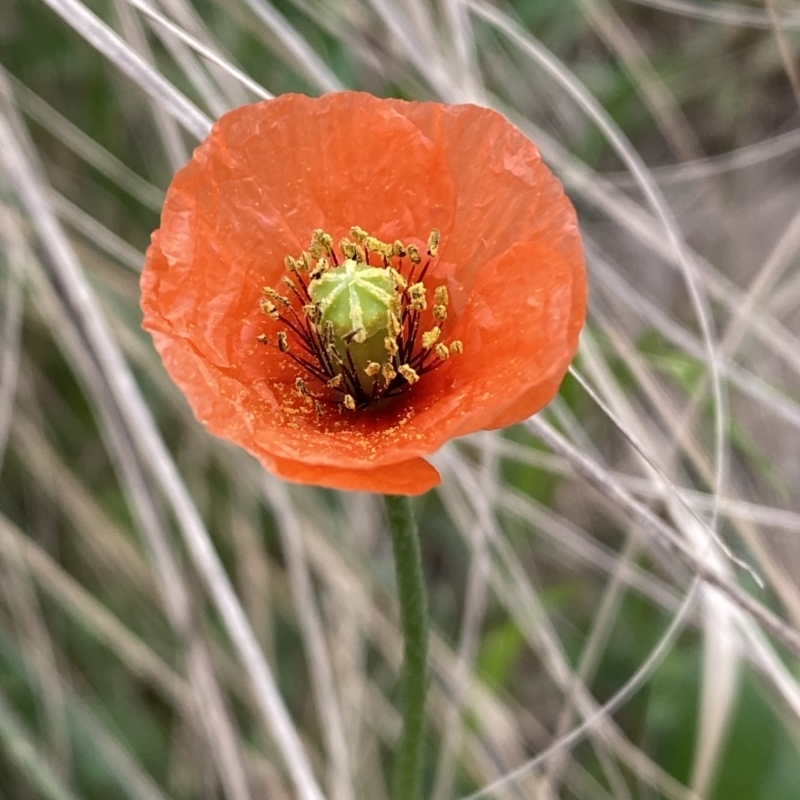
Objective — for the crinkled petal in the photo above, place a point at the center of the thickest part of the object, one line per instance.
(412, 477)
(272, 172)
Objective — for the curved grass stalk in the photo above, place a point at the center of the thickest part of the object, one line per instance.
(148, 444)
(107, 42)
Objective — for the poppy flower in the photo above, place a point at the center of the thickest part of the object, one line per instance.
(341, 285)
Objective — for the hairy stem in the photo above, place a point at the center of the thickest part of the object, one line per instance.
(414, 613)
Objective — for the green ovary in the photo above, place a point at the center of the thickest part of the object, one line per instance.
(356, 300)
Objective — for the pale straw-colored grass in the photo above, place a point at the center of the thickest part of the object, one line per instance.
(157, 586)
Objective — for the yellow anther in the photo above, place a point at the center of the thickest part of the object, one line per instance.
(321, 267)
(429, 338)
(433, 242)
(291, 264)
(283, 342)
(388, 372)
(359, 234)
(348, 402)
(275, 297)
(399, 281)
(321, 243)
(304, 263)
(416, 295)
(311, 310)
(408, 373)
(390, 345)
(440, 312)
(441, 295)
(393, 325)
(442, 351)
(289, 282)
(372, 369)
(335, 382)
(398, 249)
(413, 254)
(270, 309)
(262, 338)
(377, 246)
(456, 347)
(348, 248)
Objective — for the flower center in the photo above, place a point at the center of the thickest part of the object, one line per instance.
(359, 325)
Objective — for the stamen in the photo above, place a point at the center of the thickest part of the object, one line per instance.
(321, 244)
(270, 309)
(408, 373)
(359, 234)
(358, 328)
(433, 242)
(429, 338)
(416, 294)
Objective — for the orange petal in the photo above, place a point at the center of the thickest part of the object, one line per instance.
(272, 172)
(412, 477)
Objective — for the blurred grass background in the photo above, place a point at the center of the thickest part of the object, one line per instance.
(120, 676)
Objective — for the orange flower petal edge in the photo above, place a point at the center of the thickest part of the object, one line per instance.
(434, 285)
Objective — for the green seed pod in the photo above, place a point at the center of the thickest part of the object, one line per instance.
(356, 299)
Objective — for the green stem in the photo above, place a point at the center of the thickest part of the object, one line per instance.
(414, 614)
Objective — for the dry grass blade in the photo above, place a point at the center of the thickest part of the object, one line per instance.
(18, 744)
(666, 537)
(100, 36)
(141, 428)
